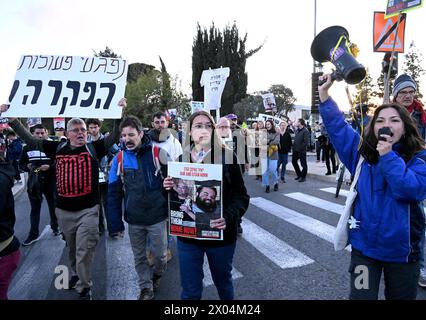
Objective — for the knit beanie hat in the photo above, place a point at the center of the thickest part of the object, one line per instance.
(402, 82)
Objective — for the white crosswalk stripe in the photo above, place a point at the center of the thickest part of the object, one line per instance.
(313, 226)
(208, 280)
(273, 248)
(316, 202)
(332, 190)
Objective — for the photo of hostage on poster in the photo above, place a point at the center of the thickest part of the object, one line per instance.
(195, 202)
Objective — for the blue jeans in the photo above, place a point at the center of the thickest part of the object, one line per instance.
(282, 159)
(270, 169)
(422, 244)
(191, 258)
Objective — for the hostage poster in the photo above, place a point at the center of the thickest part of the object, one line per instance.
(195, 202)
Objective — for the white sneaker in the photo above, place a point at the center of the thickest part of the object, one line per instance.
(422, 278)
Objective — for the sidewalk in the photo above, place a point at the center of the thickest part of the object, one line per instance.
(316, 170)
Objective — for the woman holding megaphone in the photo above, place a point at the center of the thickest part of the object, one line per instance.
(384, 210)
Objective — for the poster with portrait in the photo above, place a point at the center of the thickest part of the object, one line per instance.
(4, 123)
(269, 102)
(195, 202)
(31, 122)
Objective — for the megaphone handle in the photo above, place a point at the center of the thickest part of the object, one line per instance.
(333, 76)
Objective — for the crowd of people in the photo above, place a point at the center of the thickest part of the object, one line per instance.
(87, 178)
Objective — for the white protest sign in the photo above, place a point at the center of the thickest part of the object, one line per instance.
(31, 122)
(265, 117)
(197, 106)
(213, 81)
(68, 86)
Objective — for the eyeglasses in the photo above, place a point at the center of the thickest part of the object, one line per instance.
(199, 126)
(77, 130)
(406, 93)
(224, 127)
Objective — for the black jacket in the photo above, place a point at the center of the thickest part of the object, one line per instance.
(285, 143)
(7, 208)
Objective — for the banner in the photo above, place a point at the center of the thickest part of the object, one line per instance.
(213, 81)
(195, 202)
(269, 102)
(68, 86)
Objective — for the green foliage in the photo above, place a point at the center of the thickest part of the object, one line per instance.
(413, 65)
(366, 89)
(284, 98)
(107, 53)
(249, 107)
(214, 49)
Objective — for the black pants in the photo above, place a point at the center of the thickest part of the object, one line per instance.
(103, 205)
(48, 189)
(329, 153)
(15, 165)
(400, 278)
(302, 156)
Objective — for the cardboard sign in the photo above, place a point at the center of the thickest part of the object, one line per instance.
(385, 35)
(394, 7)
(269, 102)
(68, 86)
(213, 81)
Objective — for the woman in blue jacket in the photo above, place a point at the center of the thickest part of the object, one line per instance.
(388, 218)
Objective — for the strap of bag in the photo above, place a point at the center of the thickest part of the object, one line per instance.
(357, 172)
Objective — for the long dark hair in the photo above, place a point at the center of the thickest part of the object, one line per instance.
(410, 142)
(272, 130)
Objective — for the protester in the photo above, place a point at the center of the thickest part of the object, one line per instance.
(206, 147)
(404, 92)
(300, 145)
(270, 162)
(77, 181)
(94, 134)
(283, 149)
(41, 181)
(9, 244)
(136, 175)
(13, 153)
(387, 222)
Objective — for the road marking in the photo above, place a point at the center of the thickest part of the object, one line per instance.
(332, 190)
(311, 225)
(272, 247)
(34, 277)
(316, 202)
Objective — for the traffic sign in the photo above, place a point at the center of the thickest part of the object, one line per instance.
(385, 33)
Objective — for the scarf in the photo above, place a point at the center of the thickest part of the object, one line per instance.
(418, 106)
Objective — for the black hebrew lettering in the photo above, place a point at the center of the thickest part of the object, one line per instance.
(64, 103)
(85, 63)
(37, 84)
(23, 61)
(102, 65)
(35, 62)
(113, 63)
(57, 66)
(89, 87)
(58, 89)
(47, 59)
(75, 87)
(111, 87)
(68, 59)
(13, 91)
(124, 68)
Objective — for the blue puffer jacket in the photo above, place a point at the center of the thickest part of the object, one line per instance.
(390, 193)
(144, 200)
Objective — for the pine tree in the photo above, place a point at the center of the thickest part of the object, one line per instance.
(412, 65)
(214, 49)
(365, 90)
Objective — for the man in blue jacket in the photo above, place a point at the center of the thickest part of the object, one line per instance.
(136, 176)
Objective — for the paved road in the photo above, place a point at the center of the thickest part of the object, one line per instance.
(285, 252)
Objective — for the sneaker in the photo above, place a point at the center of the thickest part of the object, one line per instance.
(116, 235)
(302, 179)
(297, 178)
(276, 187)
(169, 255)
(73, 282)
(156, 279)
(86, 294)
(267, 189)
(422, 278)
(328, 173)
(30, 240)
(146, 294)
(283, 180)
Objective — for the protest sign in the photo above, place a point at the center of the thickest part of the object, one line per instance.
(197, 106)
(394, 7)
(68, 86)
(195, 201)
(269, 102)
(385, 37)
(4, 123)
(213, 81)
(31, 122)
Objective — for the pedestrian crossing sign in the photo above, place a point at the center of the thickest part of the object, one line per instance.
(385, 35)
